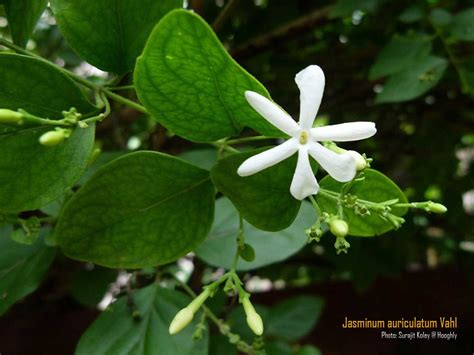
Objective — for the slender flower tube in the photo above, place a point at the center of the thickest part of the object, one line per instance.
(185, 316)
(304, 139)
(254, 320)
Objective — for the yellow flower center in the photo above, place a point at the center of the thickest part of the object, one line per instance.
(304, 137)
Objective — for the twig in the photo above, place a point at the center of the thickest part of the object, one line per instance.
(224, 15)
(265, 41)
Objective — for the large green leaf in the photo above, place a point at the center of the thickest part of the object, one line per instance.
(191, 85)
(22, 267)
(263, 199)
(142, 209)
(220, 246)
(32, 175)
(117, 332)
(376, 187)
(22, 17)
(399, 54)
(288, 320)
(462, 25)
(110, 34)
(413, 82)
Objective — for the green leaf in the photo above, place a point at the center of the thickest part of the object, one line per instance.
(89, 286)
(263, 199)
(190, 84)
(293, 318)
(440, 17)
(411, 14)
(22, 268)
(22, 17)
(117, 332)
(109, 34)
(376, 187)
(204, 158)
(288, 320)
(413, 82)
(142, 209)
(270, 247)
(32, 175)
(399, 54)
(462, 25)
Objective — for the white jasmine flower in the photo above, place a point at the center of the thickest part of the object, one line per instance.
(304, 139)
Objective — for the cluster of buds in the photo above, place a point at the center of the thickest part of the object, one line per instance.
(185, 316)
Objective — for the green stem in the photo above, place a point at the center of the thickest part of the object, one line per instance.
(247, 139)
(224, 146)
(77, 78)
(452, 58)
(43, 121)
(315, 205)
(335, 196)
(240, 243)
(124, 87)
(101, 116)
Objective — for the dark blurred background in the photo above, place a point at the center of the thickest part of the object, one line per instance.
(425, 144)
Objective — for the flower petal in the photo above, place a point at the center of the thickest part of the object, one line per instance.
(272, 113)
(268, 158)
(310, 81)
(344, 132)
(304, 182)
(342, 167)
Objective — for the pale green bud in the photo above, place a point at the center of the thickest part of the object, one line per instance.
(254, 320)
(181, 320)
(53, 138)
(436, 207)
(339, 227)
(360, 161)
(10, 116)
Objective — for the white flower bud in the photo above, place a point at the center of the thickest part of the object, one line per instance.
(9, 116)
(360, 161)
(52, 138)
(181, 320)
(254, 320)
